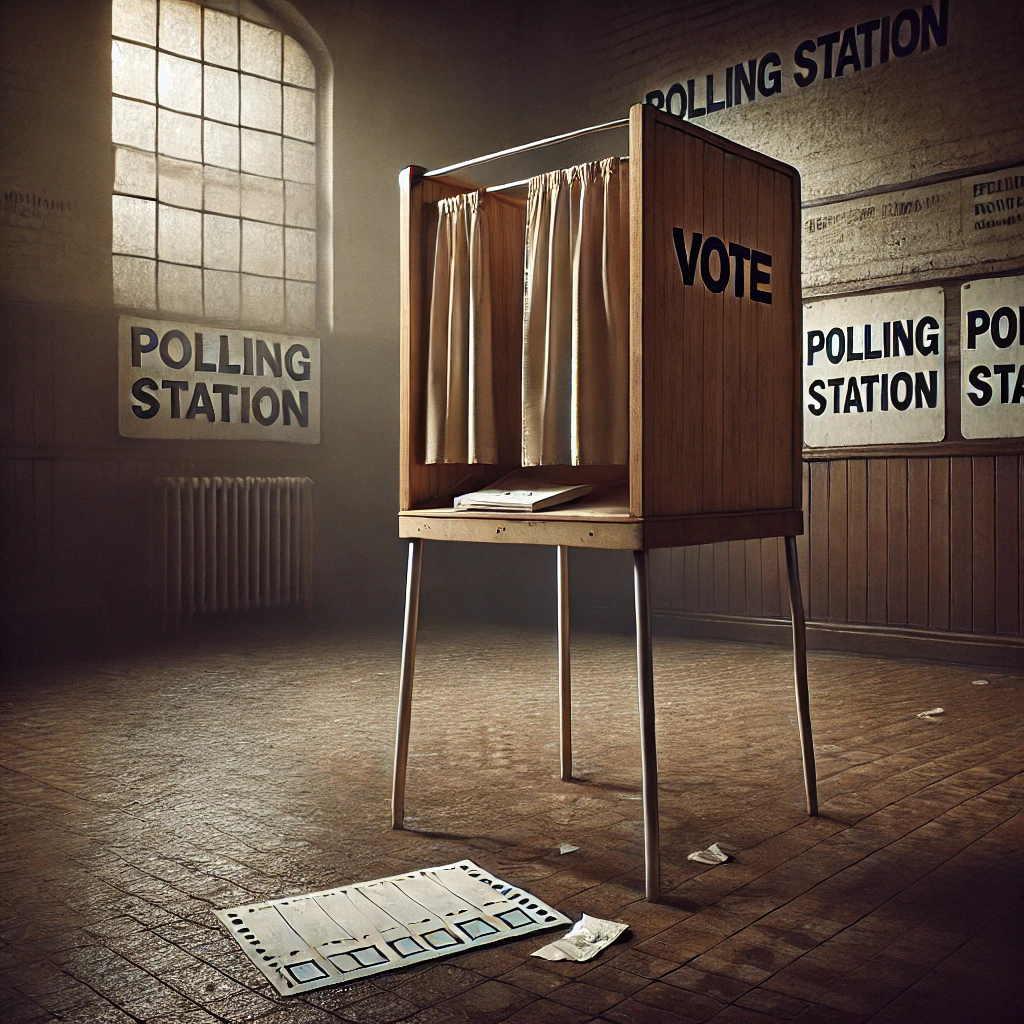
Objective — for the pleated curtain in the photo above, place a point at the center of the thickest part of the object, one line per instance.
(576, 317)
(461, 424)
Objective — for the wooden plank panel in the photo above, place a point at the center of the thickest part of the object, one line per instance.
(721, 555)
(6, 381)
(771, 592)
(837, 540)
(735, 414)
(984, 552)
(691, 577)
(876, 547)
(749, 353)
(714, 316)
(23, 581)
(413, 270)
(803, 547)
(663, 386)
(8, 514)
(661, 579)
(961, 545)
(676, 579)
(697, 396)
(22, 391)
(938, 543)
(692, 475)
(857, 540)
(752, 575)
(93, 369)
(785, 341)
(1009, 569)
(42, 381)
(917, 542)
(767, 356)
(818, 599)
(896, 541)
(641, 291)
(783, 574)
(706, 578)
(737, 577)
(111, 571)
(42, 523)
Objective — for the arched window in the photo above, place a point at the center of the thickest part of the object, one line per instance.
(221, 181)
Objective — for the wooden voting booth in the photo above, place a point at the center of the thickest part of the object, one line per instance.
(714, 418)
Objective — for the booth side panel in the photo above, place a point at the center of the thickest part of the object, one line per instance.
(410, 285)
(718, 345)
(640, 230)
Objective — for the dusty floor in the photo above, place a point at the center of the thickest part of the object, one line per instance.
(139, 793)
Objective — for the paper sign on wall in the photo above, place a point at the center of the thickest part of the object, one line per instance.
(873, 369)
(187, 381)
(992, 358)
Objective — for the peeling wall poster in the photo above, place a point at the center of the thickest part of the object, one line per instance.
(992, 358)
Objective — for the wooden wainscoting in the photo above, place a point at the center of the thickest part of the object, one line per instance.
(918, 551)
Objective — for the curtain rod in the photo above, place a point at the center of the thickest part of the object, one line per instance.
(526, 181)
(538, 144)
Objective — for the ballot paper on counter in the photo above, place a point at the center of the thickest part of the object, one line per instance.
(588, 936)
(520, 499)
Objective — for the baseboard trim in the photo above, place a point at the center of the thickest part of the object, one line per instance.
(882, 641)
(886, 641)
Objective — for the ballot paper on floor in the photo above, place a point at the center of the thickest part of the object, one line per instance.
(714, 854)
(587, 937)
(325, 938)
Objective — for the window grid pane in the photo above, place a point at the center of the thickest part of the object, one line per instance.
(214, 126)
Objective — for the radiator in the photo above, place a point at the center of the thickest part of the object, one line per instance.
(232, 544)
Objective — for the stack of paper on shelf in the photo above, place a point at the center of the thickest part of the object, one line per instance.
(533, 499)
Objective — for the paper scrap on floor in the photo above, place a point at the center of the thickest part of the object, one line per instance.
(567, 848)
(933, 713)
(587, 937)
(714, 854)
(338, 935)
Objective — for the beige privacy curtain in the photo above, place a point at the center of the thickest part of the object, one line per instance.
(460, 388)
(576, 317)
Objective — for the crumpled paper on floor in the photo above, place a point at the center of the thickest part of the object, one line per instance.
(933, 713)
(588, 936)
(712, 855)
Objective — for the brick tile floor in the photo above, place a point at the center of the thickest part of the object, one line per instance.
(139, 792)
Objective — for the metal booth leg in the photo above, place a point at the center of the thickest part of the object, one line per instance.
(648, 740)
(412, 615)
(803, 708)
(564, 678)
